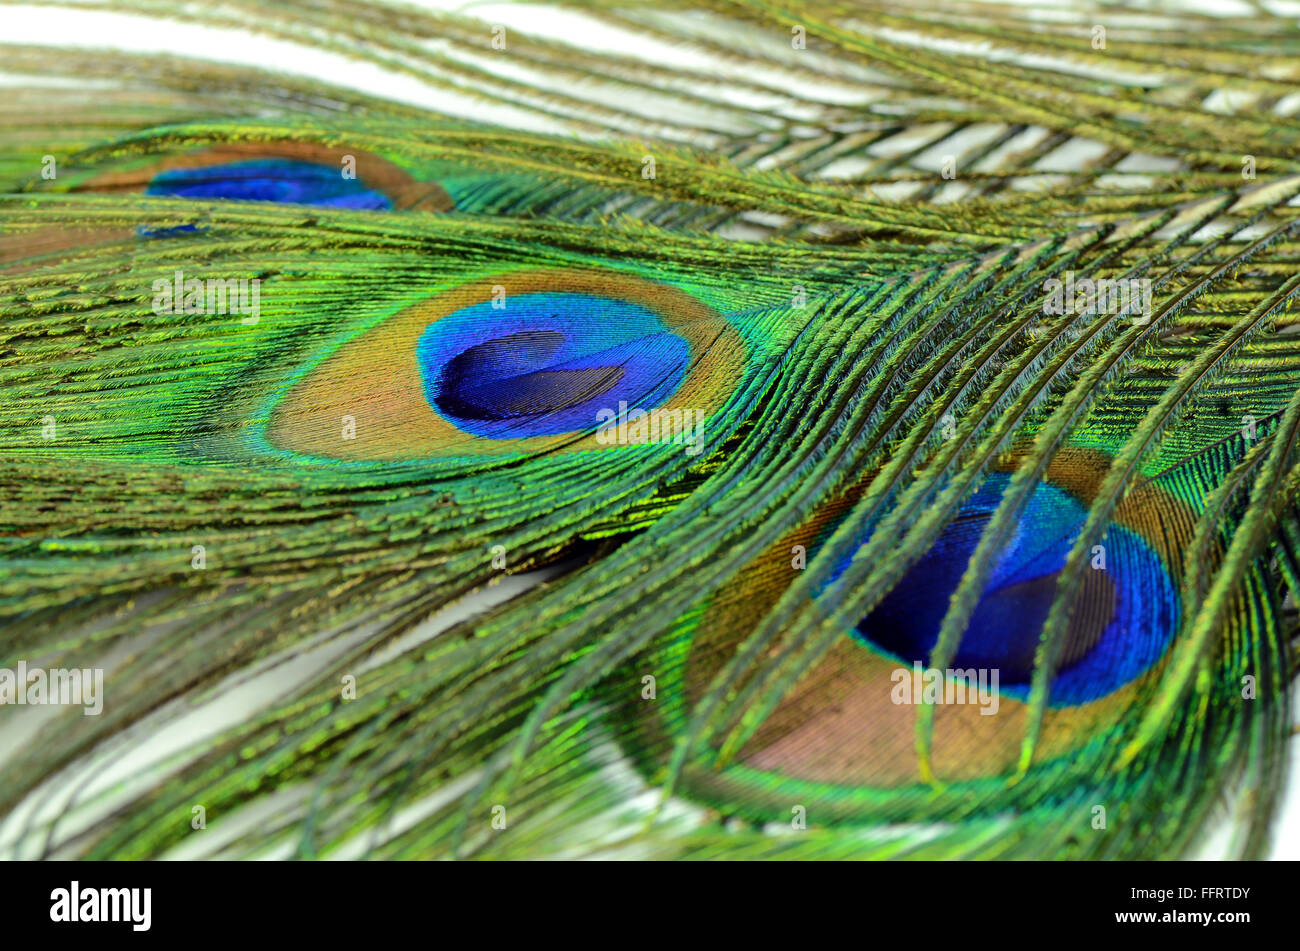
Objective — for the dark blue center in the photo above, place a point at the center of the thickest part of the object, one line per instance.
(1121, 623)
(289, 181)
(543, 364)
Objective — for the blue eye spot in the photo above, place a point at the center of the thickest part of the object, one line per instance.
(546, 363)
(280, 180)
(1123, 618)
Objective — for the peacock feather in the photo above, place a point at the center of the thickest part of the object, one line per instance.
(724, 430)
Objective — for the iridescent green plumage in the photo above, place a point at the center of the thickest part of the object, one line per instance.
(629, 649)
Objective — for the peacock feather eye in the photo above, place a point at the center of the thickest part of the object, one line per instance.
(516, 362)
(288, 172)
(288, 181)
(1122, 622)
(843, 726)
(547, 363)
